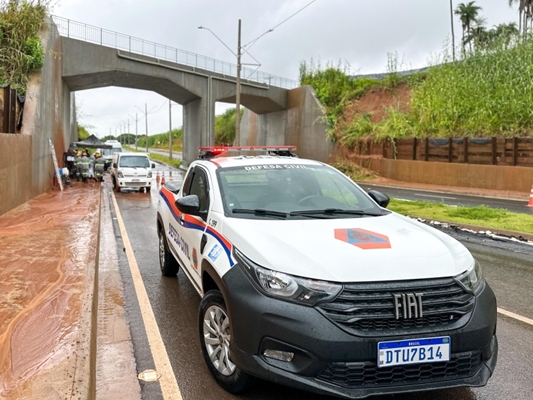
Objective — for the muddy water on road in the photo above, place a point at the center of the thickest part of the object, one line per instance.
(46, 260)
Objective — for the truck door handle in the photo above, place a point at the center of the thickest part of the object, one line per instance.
(182, 219)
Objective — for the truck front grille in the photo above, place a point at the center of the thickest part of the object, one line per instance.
(367, 309)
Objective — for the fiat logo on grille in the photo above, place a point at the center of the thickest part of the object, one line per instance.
(410, 305)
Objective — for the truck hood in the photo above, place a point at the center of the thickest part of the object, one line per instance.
(386, 248)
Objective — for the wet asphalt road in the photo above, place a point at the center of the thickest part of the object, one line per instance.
(452, 199)
(507, 267)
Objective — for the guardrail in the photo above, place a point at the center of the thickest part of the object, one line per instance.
(104, 37)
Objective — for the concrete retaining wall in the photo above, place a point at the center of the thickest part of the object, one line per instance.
(516, 179)
(26, 167)
(301, 125)
(505, 178)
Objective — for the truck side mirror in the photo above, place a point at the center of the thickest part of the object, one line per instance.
(189, 204)
(114, 165)
(380, 198)
(153, 165)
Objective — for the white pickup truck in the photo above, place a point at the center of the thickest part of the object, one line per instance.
(131, 170)
(308, 281)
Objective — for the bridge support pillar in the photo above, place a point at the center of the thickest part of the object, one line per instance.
(198, 128)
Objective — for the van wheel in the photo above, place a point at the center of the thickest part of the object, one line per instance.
(148, 189)
(215, 339)
(168, 264)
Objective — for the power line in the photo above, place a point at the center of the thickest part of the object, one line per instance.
(282, 22)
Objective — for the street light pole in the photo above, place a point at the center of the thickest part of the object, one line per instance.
(237, 139)
(170, 129)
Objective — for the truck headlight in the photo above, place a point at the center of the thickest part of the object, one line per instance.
(120, 174)
(288, 287)
(472, 278)
(149, 174)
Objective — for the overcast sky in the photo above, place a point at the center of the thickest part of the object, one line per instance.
(359, 33)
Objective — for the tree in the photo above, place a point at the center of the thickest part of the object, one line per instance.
(83, 133)
(468, 15)
(525, 15)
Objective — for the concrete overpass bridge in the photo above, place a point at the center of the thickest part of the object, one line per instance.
(94, 58)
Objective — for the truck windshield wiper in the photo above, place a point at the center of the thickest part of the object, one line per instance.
(331, 211)
(259, 211)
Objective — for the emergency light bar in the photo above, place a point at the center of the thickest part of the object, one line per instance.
(207, 152)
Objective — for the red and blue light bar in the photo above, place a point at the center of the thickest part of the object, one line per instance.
(213, 151)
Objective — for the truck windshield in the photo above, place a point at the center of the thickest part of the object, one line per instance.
(134, 162)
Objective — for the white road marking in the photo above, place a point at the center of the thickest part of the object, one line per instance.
(515, 316)
(437, 197)
(169, 385)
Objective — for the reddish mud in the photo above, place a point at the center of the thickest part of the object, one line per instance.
(47, 258)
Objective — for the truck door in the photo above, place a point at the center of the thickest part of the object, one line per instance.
(192, 228)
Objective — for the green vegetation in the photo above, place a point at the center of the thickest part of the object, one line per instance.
(83, 133)
(482, 216)
(21, 51)
(225, 127)
(153, 156)
(334, 88)
(160, 140)
(165, 160)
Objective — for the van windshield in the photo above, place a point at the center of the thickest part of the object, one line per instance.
(109, 152)
(134, 162)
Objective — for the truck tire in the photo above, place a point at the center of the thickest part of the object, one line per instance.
(215, 339)
(168, 264)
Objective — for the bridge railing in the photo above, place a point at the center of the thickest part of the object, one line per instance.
(104, 37)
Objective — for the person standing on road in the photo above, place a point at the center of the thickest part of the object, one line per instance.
(84, 167)
(91, 167)
(99, 166)
(77, 162)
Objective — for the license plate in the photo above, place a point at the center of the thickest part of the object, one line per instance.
(135, 180)
(413, 351)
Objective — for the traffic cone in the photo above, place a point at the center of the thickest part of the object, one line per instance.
(157, 178)
(170, 175)
(531, 198)
(163, 179)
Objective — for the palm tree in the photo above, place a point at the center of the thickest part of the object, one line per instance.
(520, 11)
(506, 33)
(525, 15)
(468, 14)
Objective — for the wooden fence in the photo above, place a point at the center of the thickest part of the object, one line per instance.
(485, 151)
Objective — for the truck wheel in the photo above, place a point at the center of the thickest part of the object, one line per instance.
(168, 264)
(148, 189)
(215, 339)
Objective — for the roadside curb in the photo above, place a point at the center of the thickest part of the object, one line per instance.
(515, 196)
(479, 229)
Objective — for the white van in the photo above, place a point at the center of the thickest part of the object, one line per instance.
(131, 170)
(107, 154)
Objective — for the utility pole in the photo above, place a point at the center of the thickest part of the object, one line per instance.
(128, 132)
(170, 129)
(146, 120)
(237, 140)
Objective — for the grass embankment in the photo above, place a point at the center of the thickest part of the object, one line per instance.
(489, 93)
(158, 157)
(481, 216)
